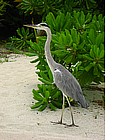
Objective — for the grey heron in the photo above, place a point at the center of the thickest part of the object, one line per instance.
(63, 79)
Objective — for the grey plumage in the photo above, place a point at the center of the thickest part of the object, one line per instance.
(63, 79)
(67, 83)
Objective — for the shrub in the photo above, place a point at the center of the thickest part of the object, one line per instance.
(78, 44)
(21, 41)
(38, 8)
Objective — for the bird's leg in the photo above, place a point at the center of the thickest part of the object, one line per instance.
(63, 107)
(73, 124)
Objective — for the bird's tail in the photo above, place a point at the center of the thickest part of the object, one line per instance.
(82, 101)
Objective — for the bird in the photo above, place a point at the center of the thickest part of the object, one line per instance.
(63, 79)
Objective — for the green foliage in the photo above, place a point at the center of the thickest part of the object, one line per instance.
(32, 6)
(21, 42)
(43, 7)
(2, 7)
(60, 23)
(81, 49)
(47, 96)
(78, 44)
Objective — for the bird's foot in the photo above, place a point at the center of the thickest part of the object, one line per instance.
(59, 122)
(66, 125)
(71, 125)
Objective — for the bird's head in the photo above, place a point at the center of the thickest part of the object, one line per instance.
(40, 26)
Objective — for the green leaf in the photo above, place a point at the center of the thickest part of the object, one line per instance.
(37, 96)
(82, 18)
(51, 19)
(87, 57)
(74, 35)
(34, 61)
(68, 59)
(47, 95)
(67, 22)
(99, 39)
(56, 95)
(81, 46)
(44, 88)
(44, 76)
(30, 54)
(18, 32)
(23, 31)
(45, 81)
(88, 18)
(43, 107)
(100, 67)
(91, 53)
(52, 107)
(60, 53)
(101, 55)
(95, 71)
(50, 75)
(97, 52)
(68, 38)
(40, 67)
(57, 21)
(87, 68)
(37, 104)
(92, 36)
(62, 17)
(76, 18)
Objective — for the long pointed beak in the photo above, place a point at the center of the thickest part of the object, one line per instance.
(30, 26)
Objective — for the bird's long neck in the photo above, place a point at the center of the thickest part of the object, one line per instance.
(48, 56)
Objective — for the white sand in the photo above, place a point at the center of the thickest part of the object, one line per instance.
(19, 122)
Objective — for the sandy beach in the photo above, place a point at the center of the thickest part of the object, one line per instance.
(19, 122)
